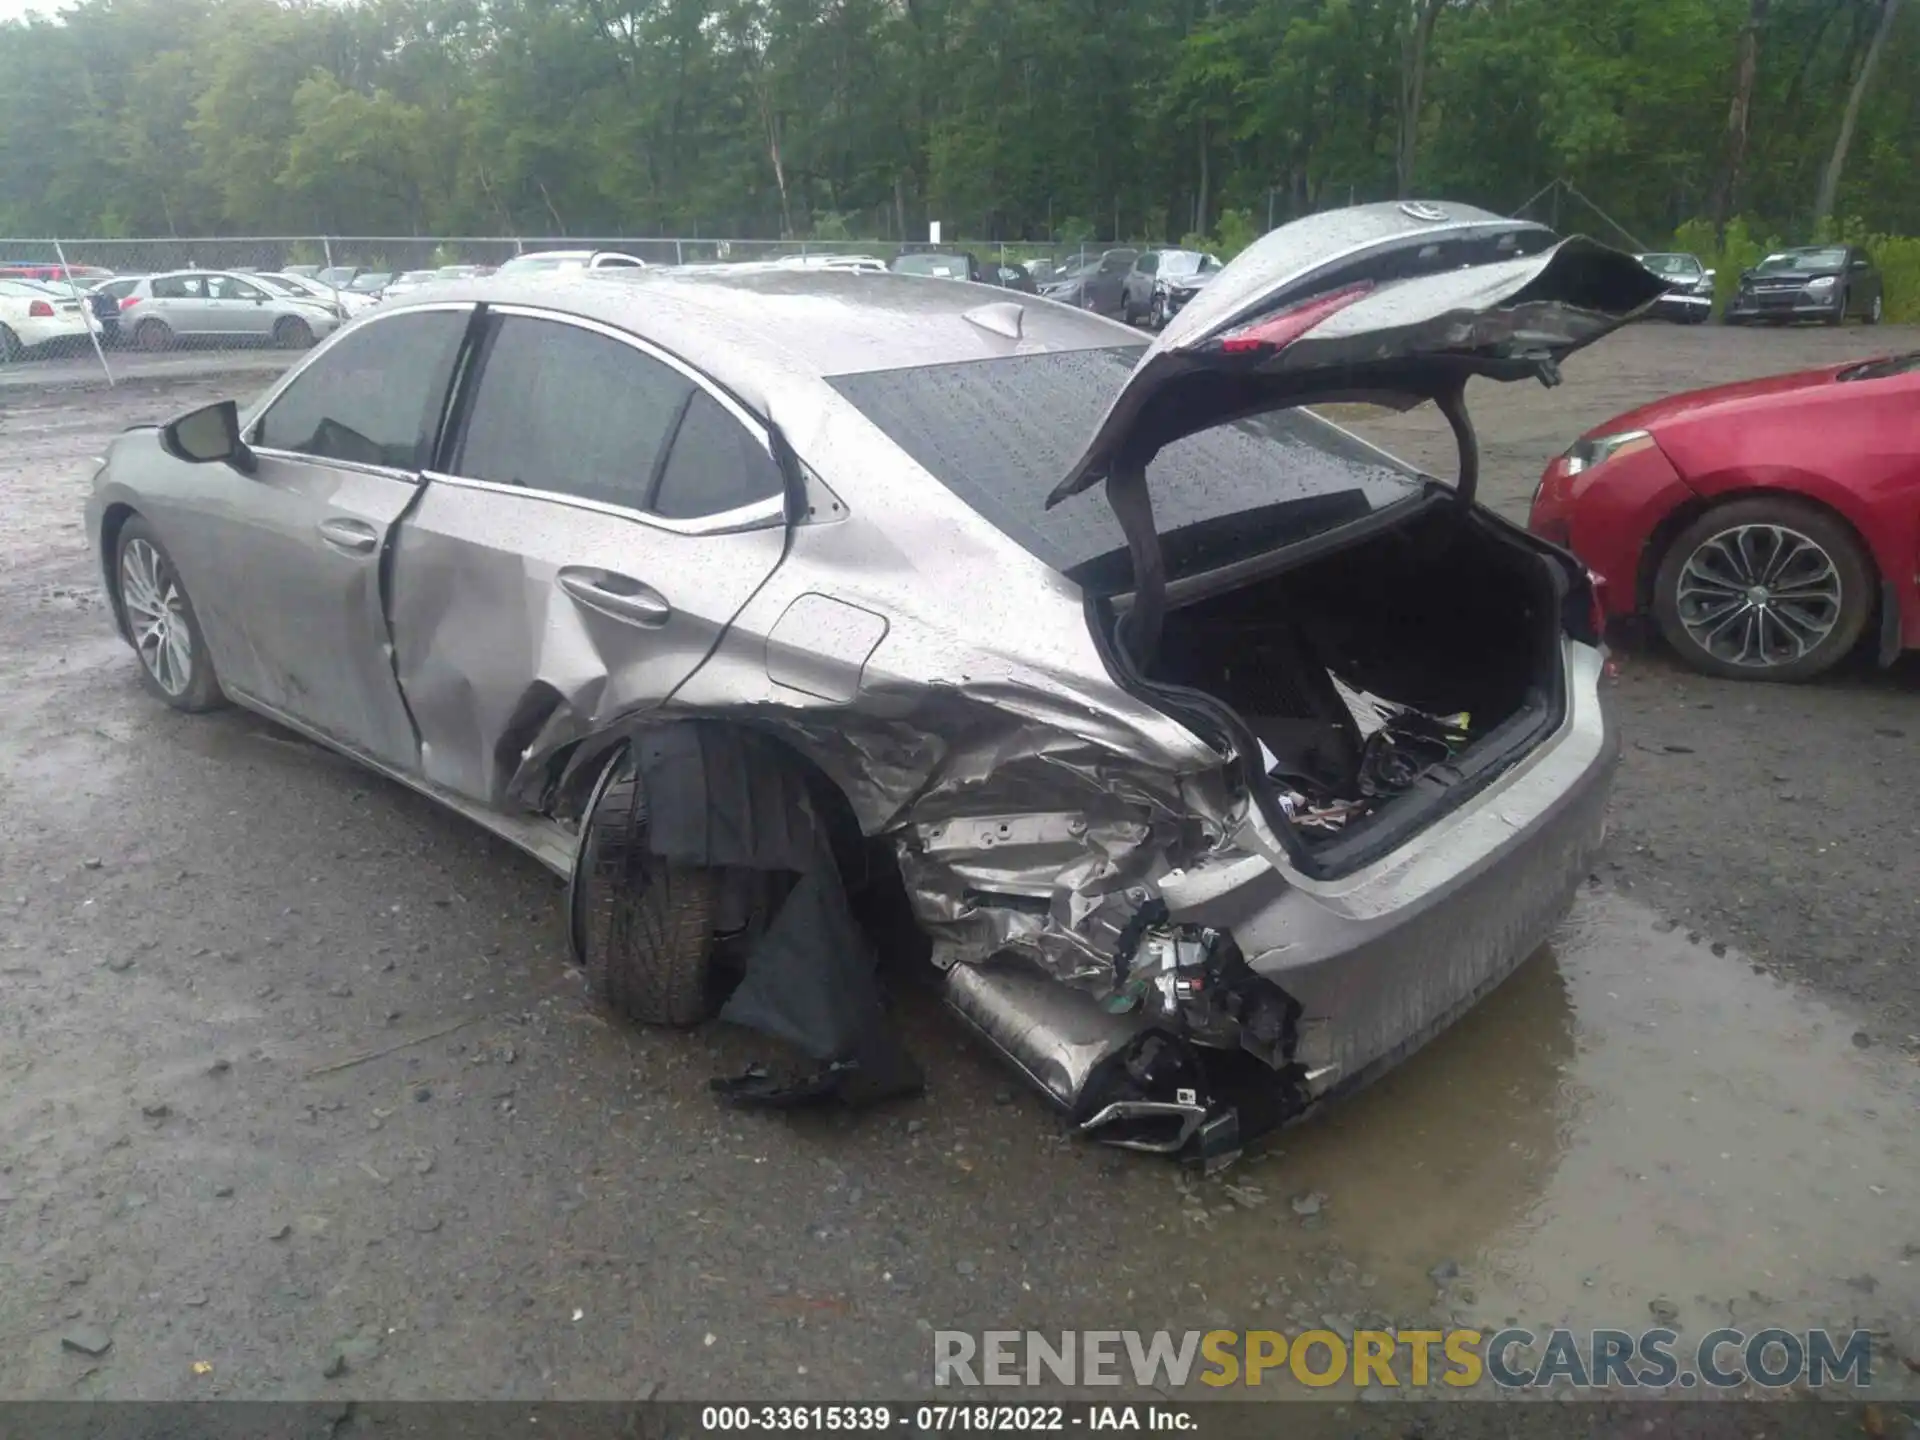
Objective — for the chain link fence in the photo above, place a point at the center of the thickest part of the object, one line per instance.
(89, 298)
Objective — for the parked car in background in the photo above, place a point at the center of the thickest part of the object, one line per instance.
(940, 264)
(560, 261)
(1161, 282)
(349, 302)
(161, 310)
(35, 315)
(81, 275)
(1095, 283)
(301, 272)
(1689, 297)
(408, 280)
(462, 272)
(371, 283)
(1814, 282)
(863, 264)
(1766, 526)
(337, 277)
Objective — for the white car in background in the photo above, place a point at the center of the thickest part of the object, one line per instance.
(535, 261)
(33, 314)
(302, 287)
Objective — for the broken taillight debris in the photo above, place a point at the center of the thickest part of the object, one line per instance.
(1283, 327)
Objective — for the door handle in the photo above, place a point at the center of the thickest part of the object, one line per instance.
(356, 537)
(616, 596)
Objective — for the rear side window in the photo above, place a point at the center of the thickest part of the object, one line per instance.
(375, 398)
(179, 287)
(1001, 433)
(567, 410)
(716, 465)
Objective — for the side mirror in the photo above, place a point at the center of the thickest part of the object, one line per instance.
(1710, 274)
(207, 435)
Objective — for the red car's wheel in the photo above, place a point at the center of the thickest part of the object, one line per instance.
(1764, 589)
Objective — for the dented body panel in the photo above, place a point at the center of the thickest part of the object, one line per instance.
(946, 681)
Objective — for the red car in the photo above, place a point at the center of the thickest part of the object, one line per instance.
(1764, 525)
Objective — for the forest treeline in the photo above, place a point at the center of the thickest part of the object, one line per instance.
(1004, 119)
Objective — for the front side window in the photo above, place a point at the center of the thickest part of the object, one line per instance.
(568, 410)
(375, 398)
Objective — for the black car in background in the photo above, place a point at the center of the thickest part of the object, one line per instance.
(1810, 282)
(1095, 283)
(1689, 297)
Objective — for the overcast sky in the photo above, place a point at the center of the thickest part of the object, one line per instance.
(19, 9)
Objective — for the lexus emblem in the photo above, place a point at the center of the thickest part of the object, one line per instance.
(1420, 210)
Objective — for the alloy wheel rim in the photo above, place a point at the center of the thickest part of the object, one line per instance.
(1759, 596)
(157, 615)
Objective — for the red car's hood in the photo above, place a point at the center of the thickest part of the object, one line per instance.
(1718, 399)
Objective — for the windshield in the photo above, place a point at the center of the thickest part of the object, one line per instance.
(371, 281)
(1793, 261)
(1000, 433)
(1671, 264)
(24, 289)
(947, 267)
(283, 286)
(1187, 262)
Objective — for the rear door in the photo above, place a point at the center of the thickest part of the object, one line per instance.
(597, 519)
(181, 301)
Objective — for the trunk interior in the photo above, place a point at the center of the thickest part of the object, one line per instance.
(1382, 678)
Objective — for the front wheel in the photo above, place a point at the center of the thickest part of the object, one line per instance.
(1157, 316)
(1838, 315)
(645, 925)
(175, 663)
(1764, 589)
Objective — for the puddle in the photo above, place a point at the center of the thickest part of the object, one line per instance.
(1631, 1118)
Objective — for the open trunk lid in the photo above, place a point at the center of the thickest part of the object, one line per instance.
(1395, 303)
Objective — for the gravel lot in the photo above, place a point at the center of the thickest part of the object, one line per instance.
(295, 1084)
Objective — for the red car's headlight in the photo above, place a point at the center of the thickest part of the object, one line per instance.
(1588, 455)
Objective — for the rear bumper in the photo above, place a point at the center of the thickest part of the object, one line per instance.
(34, 332)
(1383, 959)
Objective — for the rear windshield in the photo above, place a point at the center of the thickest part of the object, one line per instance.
(1001, 433)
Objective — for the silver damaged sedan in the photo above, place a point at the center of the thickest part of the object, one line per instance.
(1211, 758)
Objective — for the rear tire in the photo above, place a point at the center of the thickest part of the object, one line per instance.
(1697, 589)
(153, 335)
(290, 332)
(646, 924)
(10, 346)
(1873, 311)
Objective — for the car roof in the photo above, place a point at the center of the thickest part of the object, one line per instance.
(759, 331)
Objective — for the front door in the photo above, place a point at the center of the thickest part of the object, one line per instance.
(602, 516)
(239, 307)
(339, 452)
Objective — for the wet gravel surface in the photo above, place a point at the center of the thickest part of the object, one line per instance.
(296, 1086)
